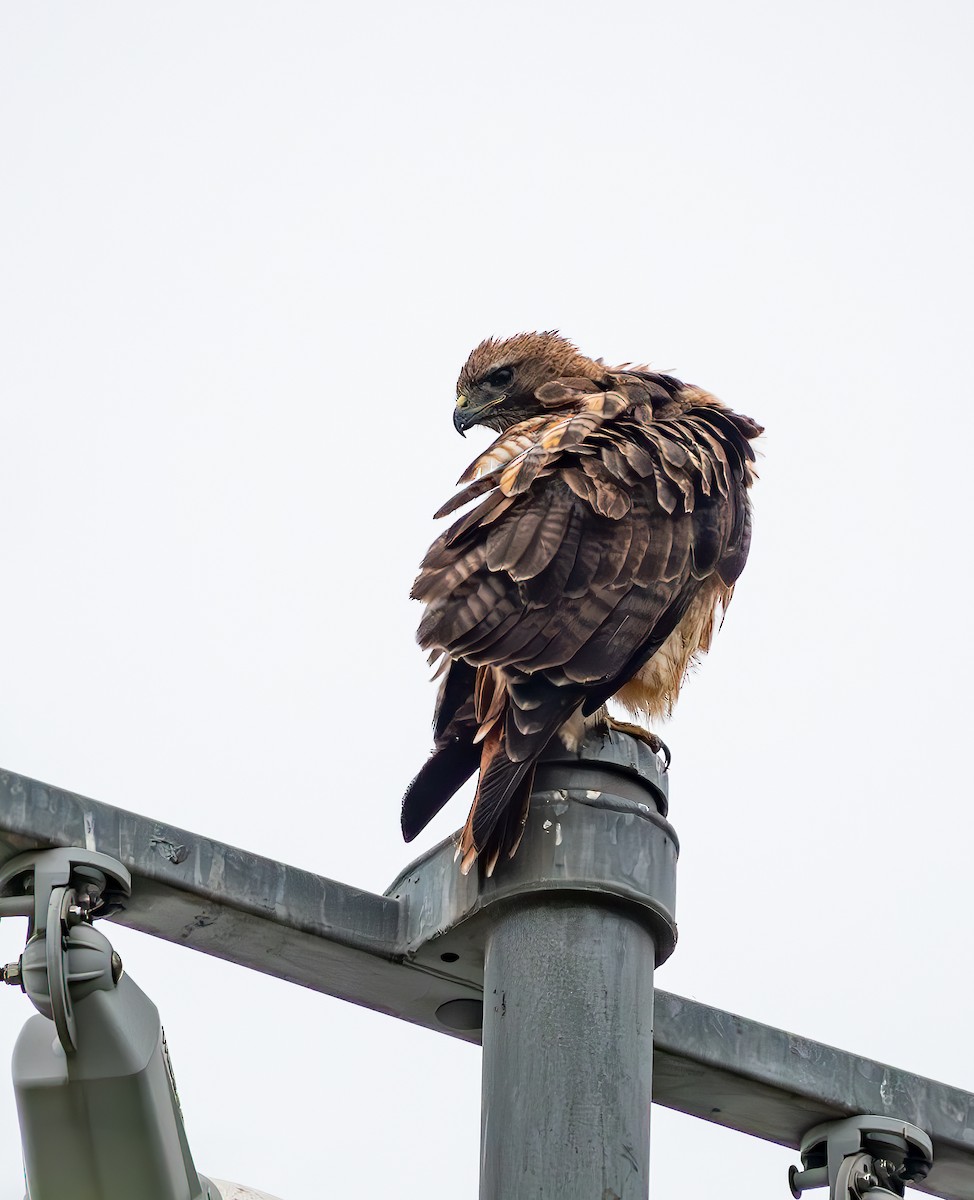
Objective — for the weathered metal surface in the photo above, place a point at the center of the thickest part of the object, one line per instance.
(570, 930)
(595, 830)
(235, 905)
(776, 1085)
(383, 952)
(568, 1052)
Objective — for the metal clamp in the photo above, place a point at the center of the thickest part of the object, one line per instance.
(61, 891)
(862, 1158)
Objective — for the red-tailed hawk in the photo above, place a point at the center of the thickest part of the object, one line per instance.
(613, 521)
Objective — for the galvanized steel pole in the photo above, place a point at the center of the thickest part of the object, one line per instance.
(568, 1054)
(568, 991)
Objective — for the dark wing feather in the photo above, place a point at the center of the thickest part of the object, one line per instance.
(445, 771)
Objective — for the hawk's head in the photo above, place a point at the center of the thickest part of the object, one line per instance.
(499, 380)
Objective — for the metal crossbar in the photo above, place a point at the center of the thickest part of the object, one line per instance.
(417, 953)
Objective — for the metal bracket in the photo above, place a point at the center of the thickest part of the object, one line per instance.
(98, 1109)
(26, 882)
(61, 891)
(862, 1158)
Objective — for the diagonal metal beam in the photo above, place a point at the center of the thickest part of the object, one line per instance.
(418, 948)
(776, 1085)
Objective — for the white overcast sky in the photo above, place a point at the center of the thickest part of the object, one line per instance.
(244, 250)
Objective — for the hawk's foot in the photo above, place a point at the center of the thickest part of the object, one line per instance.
(652, 740)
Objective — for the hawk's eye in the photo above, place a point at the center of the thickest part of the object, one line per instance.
(501, 378)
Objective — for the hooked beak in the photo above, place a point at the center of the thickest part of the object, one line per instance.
(465, 414)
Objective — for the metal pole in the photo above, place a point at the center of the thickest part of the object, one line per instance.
(568, 1051)
(573, 928)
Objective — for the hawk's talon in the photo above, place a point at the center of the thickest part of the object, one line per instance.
(665, 751)
(652, 740)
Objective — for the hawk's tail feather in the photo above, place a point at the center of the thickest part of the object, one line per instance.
(510, 830)
(446, 770)
(500, 807)
(497, 818)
